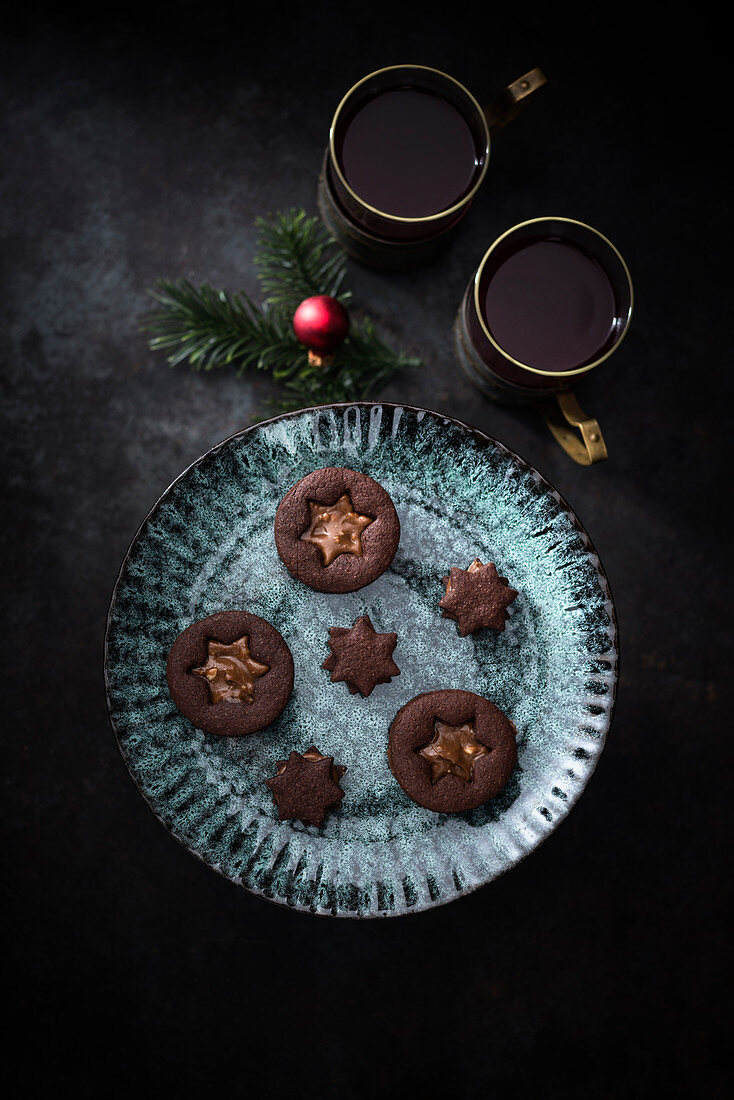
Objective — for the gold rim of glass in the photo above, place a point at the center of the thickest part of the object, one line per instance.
(397, 217)
(506, 354)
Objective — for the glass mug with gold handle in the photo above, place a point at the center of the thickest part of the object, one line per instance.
(408, 150)
(550, 301)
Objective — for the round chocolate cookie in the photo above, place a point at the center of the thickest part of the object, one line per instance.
(451, 750)
(230, 674)
(336, 530)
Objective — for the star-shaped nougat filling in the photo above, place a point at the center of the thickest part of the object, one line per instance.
(336, 528)
(231, 671)
(360, 656)
(306, 786)
(453, 751)
(477, 597)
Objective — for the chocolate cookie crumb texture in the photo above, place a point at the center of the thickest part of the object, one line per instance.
(477, 598)
(360, 657)
(306, 786)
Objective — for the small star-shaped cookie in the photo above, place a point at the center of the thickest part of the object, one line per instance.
(336, 528)
(360, 656)
(477, 597)
(453, 751)
(306, 786)
(231, 671)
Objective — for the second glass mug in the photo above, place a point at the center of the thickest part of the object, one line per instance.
(550, 301)
(409, 147)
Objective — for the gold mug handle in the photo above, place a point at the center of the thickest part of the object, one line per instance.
(509, 102)
(579, 434)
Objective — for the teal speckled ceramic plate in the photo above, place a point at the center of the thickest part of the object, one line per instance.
(207, 545)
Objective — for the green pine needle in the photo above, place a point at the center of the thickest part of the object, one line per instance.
(210, 328)
(297, 259)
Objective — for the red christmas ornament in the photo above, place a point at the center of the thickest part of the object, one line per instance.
(321, 324)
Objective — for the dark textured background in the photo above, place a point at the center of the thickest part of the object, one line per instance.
(138, 148)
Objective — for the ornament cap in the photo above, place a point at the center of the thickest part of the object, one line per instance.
(316, 359)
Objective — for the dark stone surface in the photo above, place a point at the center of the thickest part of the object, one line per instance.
(134, 150)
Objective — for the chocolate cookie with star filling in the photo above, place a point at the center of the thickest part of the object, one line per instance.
(306, 786)
(336, 530)
(451, 750)
(230, 674)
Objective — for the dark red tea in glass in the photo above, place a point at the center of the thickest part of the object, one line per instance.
(408, 148)
(551, 300)
(410, 152)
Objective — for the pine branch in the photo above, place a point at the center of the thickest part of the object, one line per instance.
(368, 362)
(361, 367)
(297, 259)
(211, 328)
